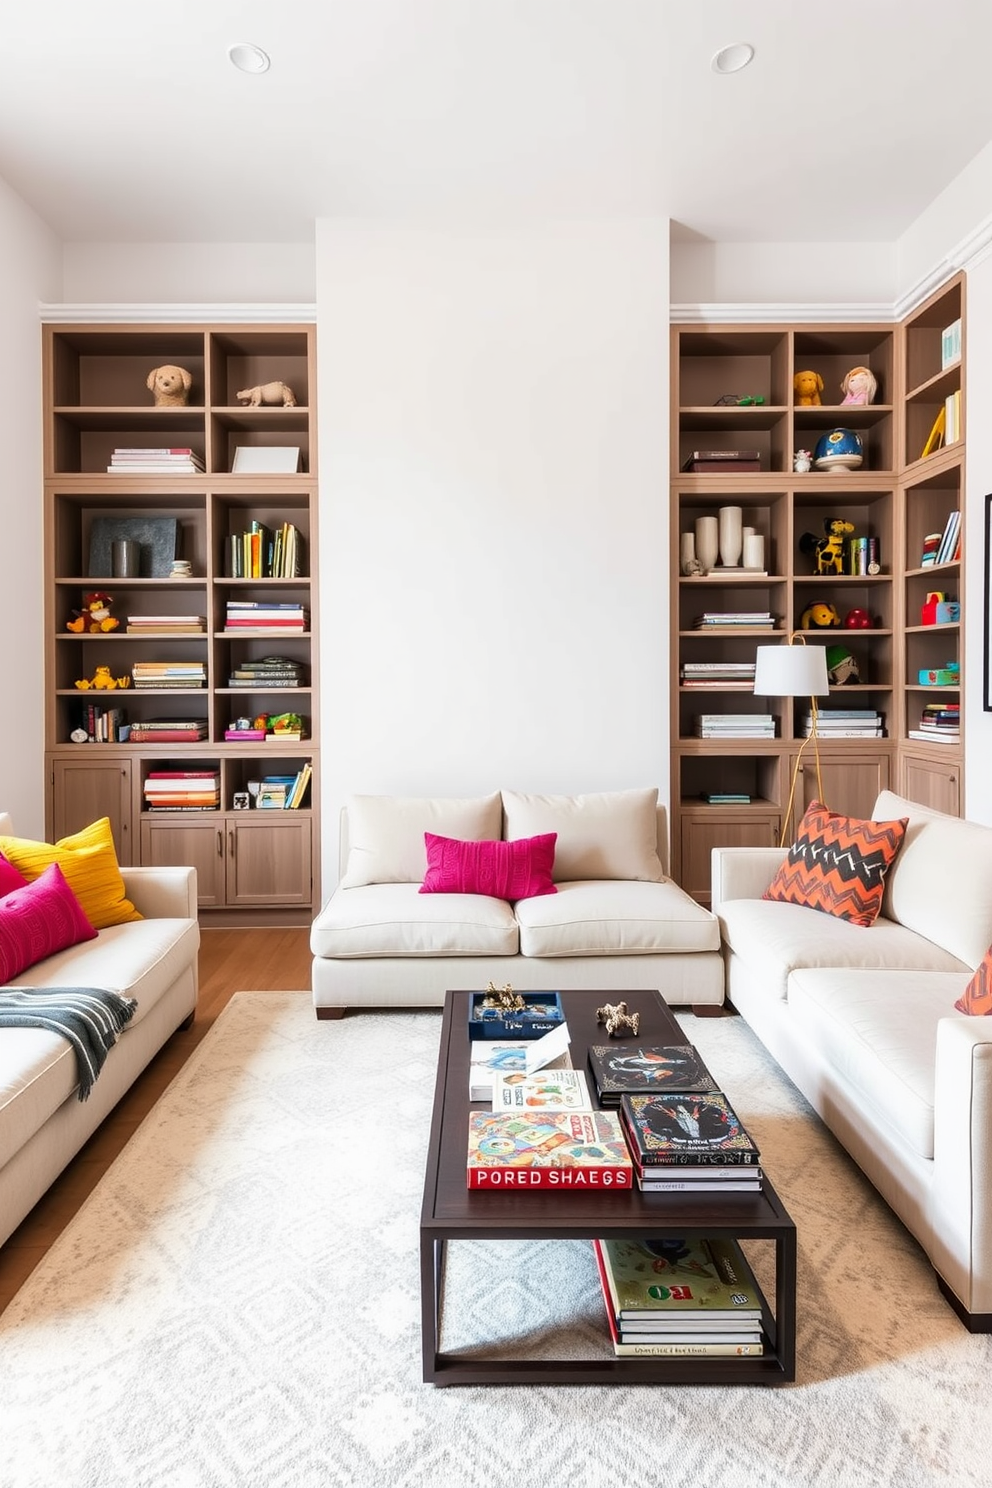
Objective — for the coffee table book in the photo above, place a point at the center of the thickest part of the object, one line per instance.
(617, 1068)
(487, 1059)
(545, 1090)
(674, 1130)
(578, 1151)
(690, 1280)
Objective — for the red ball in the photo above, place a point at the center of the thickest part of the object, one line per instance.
(857, 620)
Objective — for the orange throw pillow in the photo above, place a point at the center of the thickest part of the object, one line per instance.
(977, 996)
(838, 864)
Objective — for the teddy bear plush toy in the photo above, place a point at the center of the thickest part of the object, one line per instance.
(807, 387)
(95, 617)
(169, 386)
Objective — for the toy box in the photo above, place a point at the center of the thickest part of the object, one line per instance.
(947, 676)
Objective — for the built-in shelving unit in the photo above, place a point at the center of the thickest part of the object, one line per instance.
(896, 497)
(96, 401)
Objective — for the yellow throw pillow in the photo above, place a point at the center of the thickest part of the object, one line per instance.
(89, 864)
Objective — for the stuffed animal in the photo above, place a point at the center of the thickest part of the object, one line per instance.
(841, 666)
(859, 386)
(103, 681)
(95, 617)
(829, 550)
(807, 387)
(169, 386)
(819, 616)
(268, 392)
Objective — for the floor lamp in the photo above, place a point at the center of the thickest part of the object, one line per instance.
(788, 672)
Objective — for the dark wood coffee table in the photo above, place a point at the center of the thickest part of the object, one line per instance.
(452, 1212)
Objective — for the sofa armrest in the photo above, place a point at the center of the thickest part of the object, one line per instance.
(162, 893)
(742, 872)
(961, 1196)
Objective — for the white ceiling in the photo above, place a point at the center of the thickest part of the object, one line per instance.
(122, 120)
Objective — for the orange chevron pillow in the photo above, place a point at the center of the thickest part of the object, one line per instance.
(838, 864)
(977, 996)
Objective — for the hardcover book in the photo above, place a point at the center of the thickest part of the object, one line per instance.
(678, 1128)
(574, 1150)
(635, 1067)
(679, 1282)
(547, 1090)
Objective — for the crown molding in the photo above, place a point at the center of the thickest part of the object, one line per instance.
(741, 313)
(251, 313)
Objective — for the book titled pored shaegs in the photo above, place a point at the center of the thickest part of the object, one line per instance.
(564, 1150)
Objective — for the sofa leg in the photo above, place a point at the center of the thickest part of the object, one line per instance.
(187, 1022)
(975, 1322)
(711, 1010)
(330, 1012)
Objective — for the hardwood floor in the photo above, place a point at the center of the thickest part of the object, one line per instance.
(230, 961)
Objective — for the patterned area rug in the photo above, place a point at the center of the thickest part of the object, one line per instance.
(237, 1303)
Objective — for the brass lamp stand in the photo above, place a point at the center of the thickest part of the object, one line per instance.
(793, 671)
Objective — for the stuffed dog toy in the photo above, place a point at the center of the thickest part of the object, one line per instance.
(807, 387)
(170, 386)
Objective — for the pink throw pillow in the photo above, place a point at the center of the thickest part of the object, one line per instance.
(37, 920)
(503, 870)
(10, 877)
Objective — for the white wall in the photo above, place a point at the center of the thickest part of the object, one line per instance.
(494, 536)
(144, 273)
(31, 271)
(782, 273)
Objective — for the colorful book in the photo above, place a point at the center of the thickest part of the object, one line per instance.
(489, 1059)
(679, 1282)
(574, 1150)
(545, 1090)
(635, 1067)
(669, 1130)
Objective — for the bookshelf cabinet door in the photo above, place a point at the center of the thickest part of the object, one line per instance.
(87, 789)
(200, 844)
(851, 783)
(934, 783)
(701, 831)
(268, 859)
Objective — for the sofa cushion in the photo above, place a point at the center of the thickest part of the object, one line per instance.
(504, 870)
(976, 999)
(941, 883)
(37, 920)
(89, 862)
(38, 1069)
(10, 877)
(609, 834)
(775, 939)
(878, 1029)
(395, 919)
(603, 918)
(386, 833)
(838, 864)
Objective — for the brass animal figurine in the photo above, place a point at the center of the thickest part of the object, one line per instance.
(503, 998)
(617, 1018)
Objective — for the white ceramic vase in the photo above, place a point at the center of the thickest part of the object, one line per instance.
(754, 550)
(687, 553)
(707, 542)
(731, 535)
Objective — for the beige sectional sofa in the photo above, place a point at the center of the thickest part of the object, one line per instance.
(863, 1022)
(153, 960)
(616, 921)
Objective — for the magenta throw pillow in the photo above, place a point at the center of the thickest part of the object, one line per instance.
(10, 877)
(37, 920)
(503, 870)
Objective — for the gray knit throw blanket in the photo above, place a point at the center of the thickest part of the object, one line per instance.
(91, 1018)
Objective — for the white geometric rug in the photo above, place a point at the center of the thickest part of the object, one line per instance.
(237, 1303)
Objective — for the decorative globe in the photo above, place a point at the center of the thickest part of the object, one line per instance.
(840, 449)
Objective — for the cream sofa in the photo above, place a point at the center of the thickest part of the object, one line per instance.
(616, 921)
(863, 1022)
(153, 960)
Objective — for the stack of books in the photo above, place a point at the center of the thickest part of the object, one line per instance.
(569, 1151)
(177, 460)
(940, 722)
(719, 675)
(169, 731)
(735, 726)
(182, 790)
(279, 617)
(261, 552)
(846, 723)
(283, 792)
(266, 671)
(104, 725)
(178, 675)
(717, 462)
(684, 1295)
(628, 1069)
(735, 620)
(726, 798)
(157, 625)
(689, 1141)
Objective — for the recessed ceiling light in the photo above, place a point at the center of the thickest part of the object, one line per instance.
(248, 58)
(732, 58)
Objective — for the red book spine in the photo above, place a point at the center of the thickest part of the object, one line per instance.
(581, 1180)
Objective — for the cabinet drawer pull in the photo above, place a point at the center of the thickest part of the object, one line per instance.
(220, 843)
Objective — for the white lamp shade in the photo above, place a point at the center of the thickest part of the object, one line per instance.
(791, 671)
